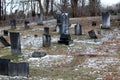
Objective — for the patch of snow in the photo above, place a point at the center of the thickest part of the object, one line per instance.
(100, 63)
(31, 41)
(50, 60)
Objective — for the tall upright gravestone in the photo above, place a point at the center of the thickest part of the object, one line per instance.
(13, 24)
(15, 43)
(105, 20)
(46, 37)
(59, 22)
(40, 19)
(65, 37)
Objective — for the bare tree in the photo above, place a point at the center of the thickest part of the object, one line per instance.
(74, 6)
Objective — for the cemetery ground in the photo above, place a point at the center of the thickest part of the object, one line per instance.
(84, 59)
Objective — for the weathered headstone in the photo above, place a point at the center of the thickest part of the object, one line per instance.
(92, 34)
(59, 22)
(46, 38)
(4, 41)
(39, 19)
(13, 24)
(65, 37)
(4, 66)
(5, 32)
(118, 16)
(38, 54)
(26, 24)
(15, 43)
(18, 69)
(78, 29)
(105, 20)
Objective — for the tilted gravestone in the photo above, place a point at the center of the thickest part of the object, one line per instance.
(5, 32)
(38, 54)
(18, 69)
(40, 19)
(46, 38)
(92, 34)
(78, 29)
(59, 22)
(26, 24)
(13, 24)
(4, 66)
(105, 20)
(15, 43)
(4, 41)
(65, 37)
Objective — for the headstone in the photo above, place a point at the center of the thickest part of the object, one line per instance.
(46, 30)
(4, 66)
(26, 24)
(59, 22)
(78, 29)
(18, 69)
(15, 43)
(118, 15)
(65, 37)
(4, 41)
(39, 19)
(5, 32)
(105, 20)
(93, 23)
(13, 24)
(38, 54)
(92, 34)
(46, 40)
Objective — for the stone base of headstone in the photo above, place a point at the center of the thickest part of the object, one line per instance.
(5, 32)
(92, 34)
(4, 41)
(4, 66)
(18, 69)
(46, 40)
(65, 39)
(38, 54)
(104, 27)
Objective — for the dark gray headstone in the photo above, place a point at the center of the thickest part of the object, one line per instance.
(39, 19)
(46, 30)
(38, 54)
(13, 24)
(5, 32)
(4, 66)
(18, 69)
(46, 40)
(15, 43)
(93, 23)
(78, 29)
(26, 24)
(4, 41)
(105, 20)
(92, 34)
(65, 37)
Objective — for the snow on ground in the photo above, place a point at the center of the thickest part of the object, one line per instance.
(50, 61)
(100, 63)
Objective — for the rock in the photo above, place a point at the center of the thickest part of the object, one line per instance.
(38, 54)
